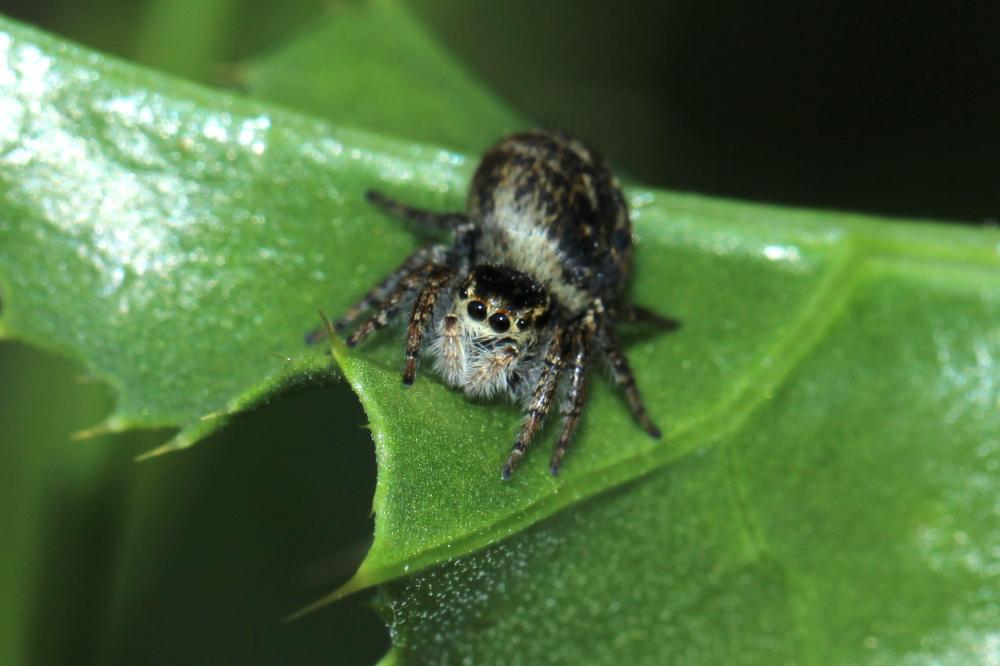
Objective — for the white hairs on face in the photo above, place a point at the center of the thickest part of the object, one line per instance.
(467, 358)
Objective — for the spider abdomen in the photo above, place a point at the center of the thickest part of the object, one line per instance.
(548, 206)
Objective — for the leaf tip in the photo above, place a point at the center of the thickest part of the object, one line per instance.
(108, 426)
(350, 587)
(187, 436)
(154, 453)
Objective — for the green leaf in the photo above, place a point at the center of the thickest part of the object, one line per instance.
(851, 518)
(176, 239)
(834, 380)
(181, 36)
(374, 65)
(757, 289)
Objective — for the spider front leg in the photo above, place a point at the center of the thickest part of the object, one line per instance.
(575, 397)
(378, 293)
(437, 278)
(541, 400)
(387, 309)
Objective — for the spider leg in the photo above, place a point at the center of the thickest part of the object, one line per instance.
(637, 314)
(575, 397)
(425, 218)
(541, 400)
(622, 373)
(462, 253)
(375, 296)
(387, 310)
(437, 278)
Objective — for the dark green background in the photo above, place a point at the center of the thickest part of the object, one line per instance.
(193, 558)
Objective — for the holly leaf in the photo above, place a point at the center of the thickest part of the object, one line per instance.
(174, 239)
(179, 241)
(847, 515)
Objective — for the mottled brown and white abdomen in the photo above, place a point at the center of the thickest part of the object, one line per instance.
(548, 206)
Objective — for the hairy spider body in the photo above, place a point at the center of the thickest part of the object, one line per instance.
(546, 205)
(526, 292)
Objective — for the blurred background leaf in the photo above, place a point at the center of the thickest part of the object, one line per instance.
(374, 65)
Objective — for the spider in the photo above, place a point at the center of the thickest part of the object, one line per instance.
(525, 295)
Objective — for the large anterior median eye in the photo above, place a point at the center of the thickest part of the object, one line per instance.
(499, 322)
(477, 310)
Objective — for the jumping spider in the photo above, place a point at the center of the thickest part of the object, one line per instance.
(527, 289)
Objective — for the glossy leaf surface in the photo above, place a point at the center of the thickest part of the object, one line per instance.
(178, 243)
(851, 519)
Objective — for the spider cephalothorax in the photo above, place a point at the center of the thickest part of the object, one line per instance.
(525, 294)
(494, 323)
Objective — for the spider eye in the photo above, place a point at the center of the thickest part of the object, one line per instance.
(523, 324)
(477, 310)
(499, 322)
